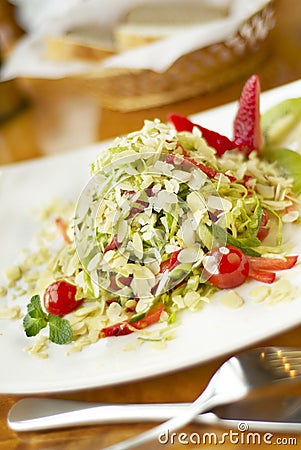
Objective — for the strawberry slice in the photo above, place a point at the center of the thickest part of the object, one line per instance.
(247, 131)
(218, 141)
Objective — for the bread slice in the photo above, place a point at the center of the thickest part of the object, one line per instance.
(88, 43)
(141, 25)
(151, 22)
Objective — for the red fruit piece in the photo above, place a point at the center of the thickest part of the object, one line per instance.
(247, 131)
(218, 141)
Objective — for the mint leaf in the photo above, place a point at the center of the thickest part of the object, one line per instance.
(35, 318)
(60, 331)
(34, 308)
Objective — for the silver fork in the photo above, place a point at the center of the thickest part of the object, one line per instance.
(250, 372)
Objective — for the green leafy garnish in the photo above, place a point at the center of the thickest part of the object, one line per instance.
(60, 331)
(36, 318)
(245, 244)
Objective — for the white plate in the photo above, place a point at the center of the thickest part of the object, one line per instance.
(204, 335)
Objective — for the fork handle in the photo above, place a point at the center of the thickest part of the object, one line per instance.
(204, 402)
(32, 414)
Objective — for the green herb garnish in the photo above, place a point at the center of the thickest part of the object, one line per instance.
(60, 331)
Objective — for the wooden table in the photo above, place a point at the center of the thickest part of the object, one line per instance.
(42, 128)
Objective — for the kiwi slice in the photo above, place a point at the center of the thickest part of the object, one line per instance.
(281, 124)
(289, 160)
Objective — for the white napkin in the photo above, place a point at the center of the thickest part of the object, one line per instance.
(53, 18)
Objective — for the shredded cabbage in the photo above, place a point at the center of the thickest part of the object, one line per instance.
(146, 202)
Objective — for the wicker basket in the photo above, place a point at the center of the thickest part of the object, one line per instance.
(192, 74)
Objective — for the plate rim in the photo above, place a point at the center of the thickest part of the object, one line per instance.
(189, 362)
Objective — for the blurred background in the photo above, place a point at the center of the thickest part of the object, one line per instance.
(41, 115)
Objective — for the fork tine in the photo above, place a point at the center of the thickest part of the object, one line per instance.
(284, 364)
(286, 373)
(288, 376)
(282, 356)
(283, 352)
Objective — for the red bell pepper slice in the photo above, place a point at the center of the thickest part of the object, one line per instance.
(118, 329)
(126, 327)
(260, 266)
(219, 142)
(263, 263)
(262, 275)
(170, 263)
(62, 227)
(209, 171)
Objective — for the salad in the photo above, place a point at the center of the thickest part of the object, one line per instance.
(172, 214)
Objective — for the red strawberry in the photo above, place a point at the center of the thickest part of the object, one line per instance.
(247, 131)
(218, 141)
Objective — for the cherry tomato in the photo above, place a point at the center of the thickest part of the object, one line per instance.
(59, 298)
(226, 267)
